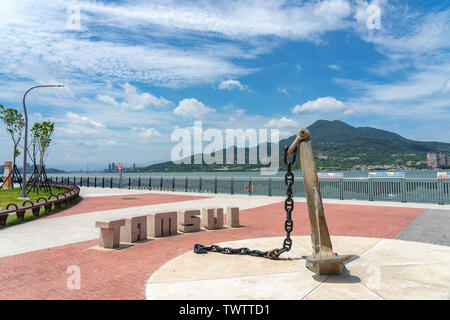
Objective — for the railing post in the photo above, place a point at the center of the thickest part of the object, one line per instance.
(103, 182)
(139, 182)
(232, 186)
(441, 191)
(150, 182)
(215, 185)
(200, 184)
(95, 182)
(56, 179)
(173, 183)
(161, 184)
(111, 182)
(250, 184)
(87, 183)
(270, 187)
(341, 189)
(81, 181)
(129, 183)
(74, 181)
(186, 184)
(371, 197)
(403, 184)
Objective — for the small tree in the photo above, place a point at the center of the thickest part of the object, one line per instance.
(14, 122)
(42, 133)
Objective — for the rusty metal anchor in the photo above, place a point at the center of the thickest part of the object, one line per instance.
(323, 260)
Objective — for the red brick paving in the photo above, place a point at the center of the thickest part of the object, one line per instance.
(122, 274)
(92, 204)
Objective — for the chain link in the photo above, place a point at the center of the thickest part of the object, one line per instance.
(288, 225)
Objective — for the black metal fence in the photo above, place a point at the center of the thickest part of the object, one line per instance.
(399, 190)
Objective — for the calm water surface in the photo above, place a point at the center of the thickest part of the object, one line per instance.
(347, 174)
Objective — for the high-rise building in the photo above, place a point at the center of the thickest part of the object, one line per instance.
(432, 160)
(442, 159)
(109, 166)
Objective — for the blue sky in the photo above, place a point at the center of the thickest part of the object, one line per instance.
(136, 70)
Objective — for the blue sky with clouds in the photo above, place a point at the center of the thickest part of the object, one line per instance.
(136, 70)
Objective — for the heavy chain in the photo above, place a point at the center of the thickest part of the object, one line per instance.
(288, 225)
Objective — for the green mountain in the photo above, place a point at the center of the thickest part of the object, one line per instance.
(337, 145)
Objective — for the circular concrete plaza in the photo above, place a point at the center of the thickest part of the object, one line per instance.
(402, 251)
(380, 269)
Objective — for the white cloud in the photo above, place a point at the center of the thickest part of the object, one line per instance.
(237, 19)
(446, 87)
(335, 67)
(419, 85)
(322, 105)
(107, 99)
(425, 34)
(130, 98)
(281, 123)
(284, 91)
(147, 132)
(286, 134)
(100, 143)
(40, 47)
(231, 84)
(76, 125)
(192, 109)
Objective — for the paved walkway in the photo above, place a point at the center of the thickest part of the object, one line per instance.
(432, 226)
(74, 225)
(35, 255)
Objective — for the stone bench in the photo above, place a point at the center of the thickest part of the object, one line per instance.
(189, 220)
(233, 217)
(164, 223)
(110, 233)
(134, 230)
(212, 218)
(160, 224)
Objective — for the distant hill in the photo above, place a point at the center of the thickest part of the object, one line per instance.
(336, 145)
(30, 170)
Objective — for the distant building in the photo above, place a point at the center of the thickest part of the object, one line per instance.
(436, 160)
(443, 159)
(432, 160)
(109, 166)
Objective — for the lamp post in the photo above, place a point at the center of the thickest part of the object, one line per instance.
(24, 179)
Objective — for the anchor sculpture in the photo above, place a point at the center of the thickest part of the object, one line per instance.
(323, 260)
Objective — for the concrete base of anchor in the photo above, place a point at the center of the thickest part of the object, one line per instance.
(327, 266)
(380, 269)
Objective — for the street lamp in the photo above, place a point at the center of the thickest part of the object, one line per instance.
(24, 179)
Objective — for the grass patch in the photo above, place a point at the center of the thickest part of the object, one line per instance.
(11, 195)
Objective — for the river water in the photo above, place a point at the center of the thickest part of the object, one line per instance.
(417, 174)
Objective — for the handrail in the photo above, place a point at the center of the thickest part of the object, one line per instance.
(71, 193)
(419, 190)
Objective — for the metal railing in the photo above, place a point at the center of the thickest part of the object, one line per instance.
(54, 200)
(397, 190)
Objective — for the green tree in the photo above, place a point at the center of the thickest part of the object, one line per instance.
(42, 137)
(15, 124)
